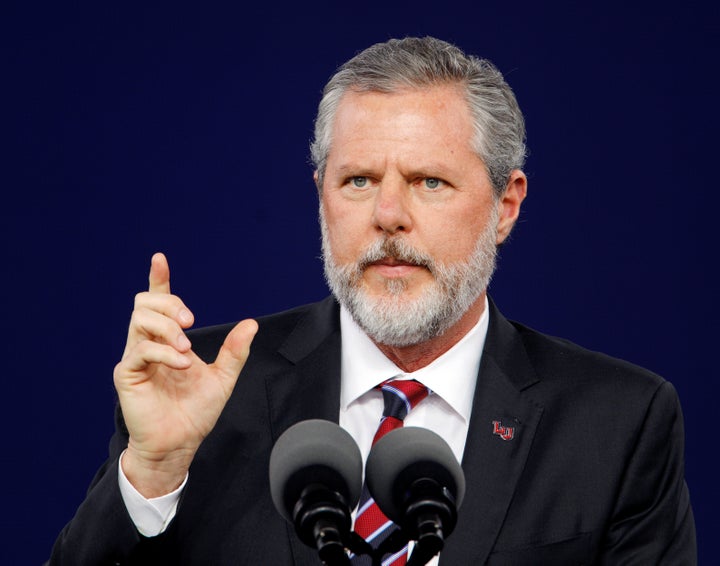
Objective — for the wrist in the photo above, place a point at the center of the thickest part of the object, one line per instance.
(154, 476)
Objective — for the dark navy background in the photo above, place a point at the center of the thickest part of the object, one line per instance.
(132, 129)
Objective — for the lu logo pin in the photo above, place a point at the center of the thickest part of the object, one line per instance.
(504, 432)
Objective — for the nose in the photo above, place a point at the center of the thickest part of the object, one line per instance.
(391, 213)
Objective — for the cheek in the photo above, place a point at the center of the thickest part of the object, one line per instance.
(454, 238)
(344, 230)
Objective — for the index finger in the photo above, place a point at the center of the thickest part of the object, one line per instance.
(159, 274)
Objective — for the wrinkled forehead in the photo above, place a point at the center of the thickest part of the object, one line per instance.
(438, 115)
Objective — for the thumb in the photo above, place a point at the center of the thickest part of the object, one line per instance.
(235, 350)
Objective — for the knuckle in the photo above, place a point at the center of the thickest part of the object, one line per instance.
(143, 350)
(140, 298)
(138, 321)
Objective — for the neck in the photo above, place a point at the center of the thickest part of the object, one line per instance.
(417, 356)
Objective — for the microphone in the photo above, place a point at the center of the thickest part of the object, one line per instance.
(315, 481)
(416, 481)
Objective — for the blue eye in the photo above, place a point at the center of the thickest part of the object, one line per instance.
(432, 183)
(359, 182)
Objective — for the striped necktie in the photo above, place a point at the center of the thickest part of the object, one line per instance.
(371, 524)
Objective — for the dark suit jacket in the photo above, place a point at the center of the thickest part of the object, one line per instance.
(593, 473)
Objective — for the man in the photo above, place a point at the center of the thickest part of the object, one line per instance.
(570, 457)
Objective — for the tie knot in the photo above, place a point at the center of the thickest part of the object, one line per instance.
(401, 396)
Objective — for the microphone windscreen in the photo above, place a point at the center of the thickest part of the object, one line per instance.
(407, 454)
(314, 452)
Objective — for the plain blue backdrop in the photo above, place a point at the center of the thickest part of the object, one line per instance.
(132, 129)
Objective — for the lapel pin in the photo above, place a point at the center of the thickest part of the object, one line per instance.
(504, 432)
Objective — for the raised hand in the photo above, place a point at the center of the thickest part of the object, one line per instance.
(170, 398)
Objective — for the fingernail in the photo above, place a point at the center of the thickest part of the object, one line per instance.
(185, 316)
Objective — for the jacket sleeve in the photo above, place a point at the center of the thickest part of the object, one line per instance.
(652, 522)
(102, 532)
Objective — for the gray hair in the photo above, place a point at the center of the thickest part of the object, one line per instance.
(423, 62)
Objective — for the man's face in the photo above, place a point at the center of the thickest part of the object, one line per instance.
(410, 222)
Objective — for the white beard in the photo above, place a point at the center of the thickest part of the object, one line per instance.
(395, 319)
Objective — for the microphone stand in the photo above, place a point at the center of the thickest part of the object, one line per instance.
(322, 521)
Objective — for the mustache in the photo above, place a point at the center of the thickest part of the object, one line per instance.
(397, 249)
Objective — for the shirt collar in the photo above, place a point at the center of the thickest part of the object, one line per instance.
(452, 376)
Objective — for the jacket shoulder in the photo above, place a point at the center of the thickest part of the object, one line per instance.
(600, 382)
(557, 353)
(273, 329)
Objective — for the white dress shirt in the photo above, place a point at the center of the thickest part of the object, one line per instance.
(451, 377)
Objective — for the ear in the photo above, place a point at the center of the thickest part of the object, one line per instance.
(509, 204)
(316, 178)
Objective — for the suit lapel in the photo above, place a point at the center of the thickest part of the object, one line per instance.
(309, 387)
(494, 455)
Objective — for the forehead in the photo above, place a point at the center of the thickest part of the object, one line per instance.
(435, 118)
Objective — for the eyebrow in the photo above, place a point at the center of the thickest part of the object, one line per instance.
(350, 168)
